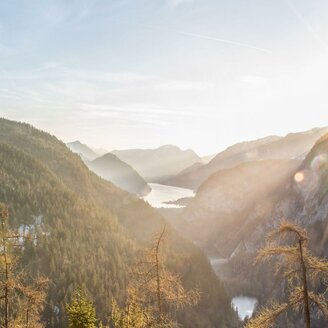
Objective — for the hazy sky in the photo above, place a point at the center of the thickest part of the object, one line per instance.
(200, 74)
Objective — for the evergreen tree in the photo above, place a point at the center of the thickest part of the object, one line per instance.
(155, 292)
(302, 272)
(133, 315)
(81, 312)
(20, 303)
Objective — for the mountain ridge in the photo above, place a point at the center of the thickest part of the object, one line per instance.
(293, 145)
(153, 164)
(86, 152)
(93, 231)
(111, 168)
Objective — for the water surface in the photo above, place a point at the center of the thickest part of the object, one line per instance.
(244, 305)
(160, 194)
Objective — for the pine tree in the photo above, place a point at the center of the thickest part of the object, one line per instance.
(81, 312)
(33, 302)
(159, 288)
(14, 289)
(133, 315)
(302, 272)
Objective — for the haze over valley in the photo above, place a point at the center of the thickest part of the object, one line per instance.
(163, 164)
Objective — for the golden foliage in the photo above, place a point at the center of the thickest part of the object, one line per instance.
(153, 291)
(13, 287)
(268, 316)
(302, 271)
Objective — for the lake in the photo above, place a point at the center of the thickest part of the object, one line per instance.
(244, 305)
(160, 194)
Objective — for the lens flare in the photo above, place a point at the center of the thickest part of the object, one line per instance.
(299, 177)
(319, 162)
(306, 180)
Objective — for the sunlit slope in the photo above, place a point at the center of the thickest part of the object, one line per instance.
(303, 198)
(307, 198)
(91, 231)
(77, 242)
(218, 217)
(292, 146)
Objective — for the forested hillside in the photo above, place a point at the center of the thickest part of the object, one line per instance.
(111, 168)
(302, 199)
(88, 232)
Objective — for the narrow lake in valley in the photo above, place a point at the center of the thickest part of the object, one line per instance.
(161, 194)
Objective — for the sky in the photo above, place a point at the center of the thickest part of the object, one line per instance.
(200, 74)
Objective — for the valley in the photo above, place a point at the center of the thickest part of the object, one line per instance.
(216, 231)
(163, 164)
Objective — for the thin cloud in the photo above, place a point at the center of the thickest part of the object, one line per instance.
(235, 43)
(210, 38)
(138, 109)
(307, 25)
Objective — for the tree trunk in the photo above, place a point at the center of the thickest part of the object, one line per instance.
(6, 289)
(27, 318)
(158, 277)
(307, 317)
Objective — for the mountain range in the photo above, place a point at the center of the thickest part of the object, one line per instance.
(111, 168)
(87, 232)
(302, 199)
(292, 146)
(257, 187)
(75, 206)
(130, 169)
(155, 164)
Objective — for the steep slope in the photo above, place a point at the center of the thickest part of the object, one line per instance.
(68, 229)
(294, 145)
(156, 163)
(208, 158)
(91, 232)
(303, 198)
(306, 198)
(111, 168)
(83, 150)
(217, 215)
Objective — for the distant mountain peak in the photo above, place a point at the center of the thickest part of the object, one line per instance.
(292, 146)
(111, 168)
(82, 149)
(163, 161)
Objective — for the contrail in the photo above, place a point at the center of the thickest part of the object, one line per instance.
(236, 43)
(200, 36)
(307, 26)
